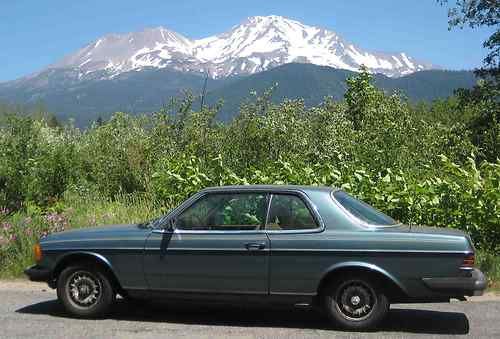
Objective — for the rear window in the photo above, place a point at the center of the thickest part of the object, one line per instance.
(362, 210)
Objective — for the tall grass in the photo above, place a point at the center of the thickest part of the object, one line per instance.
(21, 230)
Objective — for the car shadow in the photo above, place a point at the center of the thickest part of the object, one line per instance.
(398, 319)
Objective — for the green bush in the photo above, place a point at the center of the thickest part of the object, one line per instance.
(415, 162)
(20, 230)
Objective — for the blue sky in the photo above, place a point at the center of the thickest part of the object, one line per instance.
(36, 33)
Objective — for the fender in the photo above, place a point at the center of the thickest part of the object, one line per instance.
(365, 266)
(99, 257)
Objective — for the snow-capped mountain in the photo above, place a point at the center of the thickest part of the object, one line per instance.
(257, 44)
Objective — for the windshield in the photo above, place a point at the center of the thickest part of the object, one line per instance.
(362, 210)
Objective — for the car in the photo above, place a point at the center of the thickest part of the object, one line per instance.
(268, 244)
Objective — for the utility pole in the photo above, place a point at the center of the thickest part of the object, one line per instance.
(204, 92)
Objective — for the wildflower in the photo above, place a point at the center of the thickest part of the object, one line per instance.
(4, 211)
(6, 226)
(13, 238)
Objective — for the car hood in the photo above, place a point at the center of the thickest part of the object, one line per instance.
(109, 232)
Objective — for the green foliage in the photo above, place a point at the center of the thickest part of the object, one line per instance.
(359, 97)
(489, 263)
(483, 99)
(37, 161)
(414, 162)
(483, 106)
(20, 230)
(480, 13)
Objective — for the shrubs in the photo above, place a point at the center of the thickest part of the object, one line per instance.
(464, 197)
(20, 230)
(406, 160)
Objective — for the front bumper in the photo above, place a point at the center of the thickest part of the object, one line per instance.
(37, 273)
(473, 284)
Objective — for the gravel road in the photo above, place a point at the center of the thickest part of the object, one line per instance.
(31, 310)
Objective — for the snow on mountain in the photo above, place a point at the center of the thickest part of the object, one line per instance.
(257, 44)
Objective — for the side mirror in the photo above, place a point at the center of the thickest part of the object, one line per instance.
(170, 226)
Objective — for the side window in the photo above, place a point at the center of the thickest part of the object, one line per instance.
(289, 212)
(225, 212)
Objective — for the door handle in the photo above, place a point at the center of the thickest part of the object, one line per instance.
(253, 246)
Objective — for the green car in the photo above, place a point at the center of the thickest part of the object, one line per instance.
(295, 245)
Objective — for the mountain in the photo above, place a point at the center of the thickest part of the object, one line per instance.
(150, 89)
(84, 100)
(140, 71)
(313, 83)
(259, 43)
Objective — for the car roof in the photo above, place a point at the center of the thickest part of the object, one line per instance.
(273, 188)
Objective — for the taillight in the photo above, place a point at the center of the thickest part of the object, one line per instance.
(468, 261)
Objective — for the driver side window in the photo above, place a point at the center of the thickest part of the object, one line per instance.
(225, 212)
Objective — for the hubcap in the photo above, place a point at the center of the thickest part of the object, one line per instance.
(84, 289)
(355, 300)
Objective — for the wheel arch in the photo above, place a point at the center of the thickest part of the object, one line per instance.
(87, 257)
(392, 285)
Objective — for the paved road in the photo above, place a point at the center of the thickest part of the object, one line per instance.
(31, 310)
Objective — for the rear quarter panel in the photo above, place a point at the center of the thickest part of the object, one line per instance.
(300, 261)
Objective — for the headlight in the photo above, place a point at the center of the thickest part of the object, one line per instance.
(37, 251)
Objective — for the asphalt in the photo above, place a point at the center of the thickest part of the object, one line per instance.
(30, 310)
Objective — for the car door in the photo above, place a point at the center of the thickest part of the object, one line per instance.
(294, 229)
(218, 246)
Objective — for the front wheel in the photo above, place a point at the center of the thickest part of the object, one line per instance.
(355, 303)
(85, 291)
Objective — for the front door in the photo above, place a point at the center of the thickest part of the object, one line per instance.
(218, 246)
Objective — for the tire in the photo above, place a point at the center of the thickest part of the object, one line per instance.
(85, 291)
(355, 303)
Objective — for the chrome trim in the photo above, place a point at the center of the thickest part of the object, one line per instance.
(180, 231)
(309, 205)
(206, 249)
(204, 291)
(347, 250)
(304, 231)
(330, 250)
(269, 192)
(293, 293)
(98, 255)
(466, 269)
(268, 208)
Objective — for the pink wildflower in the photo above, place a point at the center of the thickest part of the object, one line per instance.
(6, 226)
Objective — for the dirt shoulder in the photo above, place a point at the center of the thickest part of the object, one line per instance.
(23, 285)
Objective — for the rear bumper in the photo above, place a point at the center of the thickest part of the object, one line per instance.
(473, 284)
(37, 273)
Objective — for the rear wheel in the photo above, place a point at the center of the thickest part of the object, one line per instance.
(85, 291)
(355, 303)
